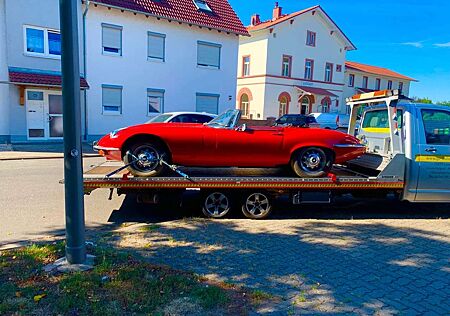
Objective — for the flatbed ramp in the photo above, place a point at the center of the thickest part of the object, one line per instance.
(340, 178)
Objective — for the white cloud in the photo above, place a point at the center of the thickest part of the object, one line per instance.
(442, 44)
(413, 44)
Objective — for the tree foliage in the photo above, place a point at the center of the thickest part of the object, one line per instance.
(423, 100)
(447, 103)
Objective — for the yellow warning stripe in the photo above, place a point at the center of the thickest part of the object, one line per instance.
(362, 185)
(432, 158)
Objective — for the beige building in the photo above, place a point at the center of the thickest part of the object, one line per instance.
(293, 63)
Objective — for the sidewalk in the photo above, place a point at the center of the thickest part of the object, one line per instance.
(39, 151)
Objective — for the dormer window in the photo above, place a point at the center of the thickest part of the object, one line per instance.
(202, 5)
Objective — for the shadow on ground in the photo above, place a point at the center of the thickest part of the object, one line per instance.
(48, 147)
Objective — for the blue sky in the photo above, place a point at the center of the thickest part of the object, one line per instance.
(411, 37)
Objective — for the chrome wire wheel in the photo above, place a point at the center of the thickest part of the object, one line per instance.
(216, 205)
(257, 206)
(313, 160)
(148, 158)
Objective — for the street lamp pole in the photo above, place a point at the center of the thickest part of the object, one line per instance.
(73, 168)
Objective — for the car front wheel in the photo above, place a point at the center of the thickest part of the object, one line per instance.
(144, 159)
(311, 162)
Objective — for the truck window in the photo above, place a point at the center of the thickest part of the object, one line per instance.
(437, 126)
(380, 119)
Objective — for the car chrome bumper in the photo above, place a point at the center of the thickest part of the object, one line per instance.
(96, 147)
(350, 146)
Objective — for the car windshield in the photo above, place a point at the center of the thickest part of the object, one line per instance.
(160, 118)
(227, 119)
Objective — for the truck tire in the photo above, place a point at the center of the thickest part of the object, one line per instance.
(311, 162)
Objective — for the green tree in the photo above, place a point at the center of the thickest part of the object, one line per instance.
(447, 103)
(423, 100)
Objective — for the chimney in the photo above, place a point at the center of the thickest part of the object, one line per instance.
(276, 12)
(255, 19)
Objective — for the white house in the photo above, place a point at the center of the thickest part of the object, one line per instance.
(361, 78)
(160, 57)
(293, 63)
(139, 57)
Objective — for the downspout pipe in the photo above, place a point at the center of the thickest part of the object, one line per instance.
(85, 12)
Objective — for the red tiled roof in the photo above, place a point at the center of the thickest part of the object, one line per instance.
(287, 17)
(376, 70)
(40, 79)
(318, 91)
(222, 18)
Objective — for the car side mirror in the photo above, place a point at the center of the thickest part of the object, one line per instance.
(242, 128)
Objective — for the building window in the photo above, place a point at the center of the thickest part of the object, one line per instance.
(286, 66)
(389, 86)
(42, 42)
(206, 102)
(328, 72)
(400, 86)
(305, 105)
(208, 55)
(365, 82)
(351, 80)
(112, 99)
(283, 107)
(309, 69)
(202, 5)
(155, 99)
(338, 68)
(311, 38)
(112, 39)
(378, 84)
(325, 105)
(156, 46)
(244, 105)
(246, 66)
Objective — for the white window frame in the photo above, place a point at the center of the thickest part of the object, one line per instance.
(246, 66)
(117, 27)
(46, 53)
(329, 72)
(112, 113)
(286, 66)
(212, 45)
(160, 35)
(202, 5)
(156, 91)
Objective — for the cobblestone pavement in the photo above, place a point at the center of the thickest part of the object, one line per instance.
(332, 267)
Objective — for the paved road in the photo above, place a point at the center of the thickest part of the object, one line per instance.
(32, 200)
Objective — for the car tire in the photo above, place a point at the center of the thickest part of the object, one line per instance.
(311, 162)
(149, 164)
(257, 205)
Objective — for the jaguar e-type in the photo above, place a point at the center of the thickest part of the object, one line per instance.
(310, 152)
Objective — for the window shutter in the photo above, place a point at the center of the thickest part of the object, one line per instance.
(207, 103)
(112, 99)
(112, 37)
(208, 55)
(156, 45)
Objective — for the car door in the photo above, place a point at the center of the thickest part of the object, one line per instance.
(434, 156)
(250, 147)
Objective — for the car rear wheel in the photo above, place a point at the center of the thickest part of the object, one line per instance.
(311, 162)
(144, 159)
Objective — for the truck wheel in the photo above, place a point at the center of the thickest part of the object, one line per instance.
(257, 206)
(149, 155)
(216, 205)
(311, 162)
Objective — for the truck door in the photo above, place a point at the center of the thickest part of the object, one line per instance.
(433, 156)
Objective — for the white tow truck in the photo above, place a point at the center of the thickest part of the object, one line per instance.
(408, 156)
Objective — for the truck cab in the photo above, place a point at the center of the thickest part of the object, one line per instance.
(407, 138)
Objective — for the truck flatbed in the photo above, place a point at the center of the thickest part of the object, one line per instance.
(235, 178)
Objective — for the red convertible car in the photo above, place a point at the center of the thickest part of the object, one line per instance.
(310, 152)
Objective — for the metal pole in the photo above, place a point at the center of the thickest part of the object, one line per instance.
(73, 168)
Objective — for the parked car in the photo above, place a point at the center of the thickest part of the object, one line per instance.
(221, 143)
(183, 117)
(297, 120)
(332, 120)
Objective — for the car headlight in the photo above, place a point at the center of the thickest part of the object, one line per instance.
(113, 134)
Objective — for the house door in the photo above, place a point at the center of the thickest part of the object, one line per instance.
(44, 115)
